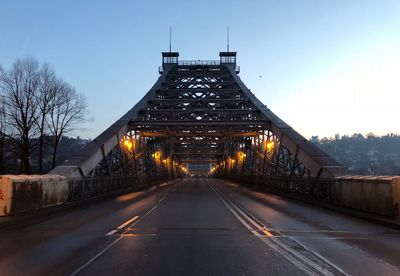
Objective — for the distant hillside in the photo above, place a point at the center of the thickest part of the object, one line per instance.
(67, 147)
(369, 155)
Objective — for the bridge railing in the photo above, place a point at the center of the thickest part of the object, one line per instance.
(24, 193)
(372, 194)
(199, 62)
(83, 188)
(321, 189)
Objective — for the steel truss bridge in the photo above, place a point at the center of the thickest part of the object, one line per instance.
(199, 118)
(120, 211)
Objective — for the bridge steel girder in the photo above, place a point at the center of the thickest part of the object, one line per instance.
(191, 102)
(198, 134)
(81, 164)
(316, 160)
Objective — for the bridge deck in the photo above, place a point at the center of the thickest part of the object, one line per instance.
(199, 227)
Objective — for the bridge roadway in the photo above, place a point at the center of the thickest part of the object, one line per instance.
(199, 227)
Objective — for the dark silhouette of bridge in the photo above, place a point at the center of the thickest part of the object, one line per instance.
(200, 112)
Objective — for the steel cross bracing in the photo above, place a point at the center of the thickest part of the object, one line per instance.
(200, 117)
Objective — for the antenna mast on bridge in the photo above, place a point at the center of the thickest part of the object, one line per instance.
(227, 39)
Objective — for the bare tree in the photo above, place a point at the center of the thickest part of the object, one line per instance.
(47, 90)
(35, 104)
(2, 133)
(20, 86)
(67, 112)
(2, 128)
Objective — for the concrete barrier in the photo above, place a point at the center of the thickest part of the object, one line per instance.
(375, 194)
(21, 193)
(372, 194)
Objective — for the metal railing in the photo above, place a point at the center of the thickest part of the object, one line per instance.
(312, 188)
(199, 62)
(84, 188)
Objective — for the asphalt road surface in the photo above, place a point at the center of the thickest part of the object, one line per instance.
(200, 227)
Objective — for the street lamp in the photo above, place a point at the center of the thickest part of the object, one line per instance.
(270, 145)
(128, 143)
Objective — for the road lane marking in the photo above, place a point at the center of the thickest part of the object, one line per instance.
(294, 252)
(296, 258)
(295, 262)
(280, 243)
(161, 199)
(267, 233)
(79, 269)
(258, 224)
(322, 257)
(112, 232)
(151, 210)
(130, 226)
(127, 222)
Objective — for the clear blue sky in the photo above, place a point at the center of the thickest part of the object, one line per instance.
(326, 67)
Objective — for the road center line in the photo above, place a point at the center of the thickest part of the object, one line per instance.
(292, 251)
(112, 232)
(79, 269)
(267, 233)
(291, 255)
(259, 225)
(314, 265)
(127, 222)
(161, 199)
(255, 233)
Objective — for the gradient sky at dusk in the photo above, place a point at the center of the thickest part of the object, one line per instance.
(324, 67)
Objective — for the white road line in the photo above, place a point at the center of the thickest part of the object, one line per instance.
(321, 257)
(252, 230)
(112, 232)
(79, 269)
(294, 252)
(279, 247)
(127, 222)
(151, 210)
(161, 199)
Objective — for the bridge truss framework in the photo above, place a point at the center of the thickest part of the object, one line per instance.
(199, 117)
